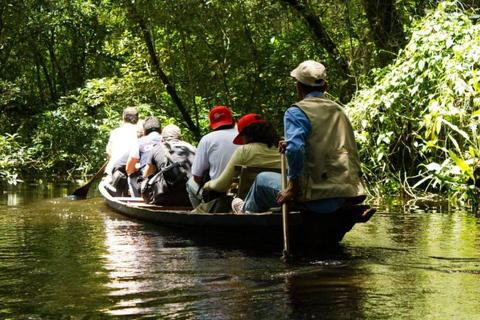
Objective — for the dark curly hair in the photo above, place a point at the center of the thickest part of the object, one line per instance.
(151, 124)
(263, 132)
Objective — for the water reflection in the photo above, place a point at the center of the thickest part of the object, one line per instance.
(29, 192)
(156, 271)
(49, 260)
(77, 259)
(422, 263)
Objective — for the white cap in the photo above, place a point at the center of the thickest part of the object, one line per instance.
(171, 132)
(310, 73)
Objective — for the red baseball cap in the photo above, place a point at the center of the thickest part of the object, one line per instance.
(220, 116)
(245, 121)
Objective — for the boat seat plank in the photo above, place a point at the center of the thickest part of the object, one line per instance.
(246, 176)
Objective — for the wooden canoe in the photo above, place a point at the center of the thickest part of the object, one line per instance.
(305, 228)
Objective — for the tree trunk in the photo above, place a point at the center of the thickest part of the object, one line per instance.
(156, 66)
(386, 28)
(304, 8)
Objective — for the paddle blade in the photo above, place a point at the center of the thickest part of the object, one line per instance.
(81, 192)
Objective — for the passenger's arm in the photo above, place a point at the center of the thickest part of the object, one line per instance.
(223, 183)
(149, 169)
(198, 180)
(109, 148)
(131, 165)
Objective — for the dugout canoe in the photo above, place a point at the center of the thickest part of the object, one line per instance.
(305, 228)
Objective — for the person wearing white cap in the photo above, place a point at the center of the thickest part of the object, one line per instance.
(181, 152)
(324, 171)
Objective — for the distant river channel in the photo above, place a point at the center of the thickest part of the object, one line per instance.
(76, 259)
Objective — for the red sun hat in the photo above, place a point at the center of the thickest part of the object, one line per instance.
(244, 122)
(220, 116)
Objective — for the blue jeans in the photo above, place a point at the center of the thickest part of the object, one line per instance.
(133, 186)
(263, 193)
(263, 196)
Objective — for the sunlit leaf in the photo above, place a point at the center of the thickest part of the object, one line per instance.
(459, 162)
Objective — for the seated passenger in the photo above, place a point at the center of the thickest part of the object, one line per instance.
(259, 142)
(119, 143)
(119, 167)
(181, 152)
(139, 154)
(213, 152)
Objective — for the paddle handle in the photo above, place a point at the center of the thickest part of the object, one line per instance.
(286, 233)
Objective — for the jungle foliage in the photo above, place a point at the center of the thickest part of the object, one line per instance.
(69, 68)
(418, 124)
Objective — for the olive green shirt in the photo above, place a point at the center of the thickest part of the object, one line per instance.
(253, 155)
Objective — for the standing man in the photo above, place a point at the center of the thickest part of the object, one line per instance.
(213, 152)
(324, 167)
(139, 153)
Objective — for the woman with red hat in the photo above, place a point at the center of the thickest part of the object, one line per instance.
(259, 140)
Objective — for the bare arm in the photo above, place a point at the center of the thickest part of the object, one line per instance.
(149, 169)
(198, 179)
(130, 167)
(290, 192)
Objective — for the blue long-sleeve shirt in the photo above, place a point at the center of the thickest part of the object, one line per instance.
(297, 129)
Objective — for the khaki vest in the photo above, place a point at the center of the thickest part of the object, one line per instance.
(331, 165)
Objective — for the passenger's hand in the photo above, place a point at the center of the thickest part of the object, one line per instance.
(289, 192)
(282, 146)
(233, 186)
(285, 195)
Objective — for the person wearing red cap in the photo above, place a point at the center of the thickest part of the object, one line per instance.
(258, 142)
(213, 152)
(324, 169)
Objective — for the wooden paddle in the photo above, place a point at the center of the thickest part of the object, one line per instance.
(83, 190)
(286, 233)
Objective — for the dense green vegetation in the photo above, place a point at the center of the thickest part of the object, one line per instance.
(418, 124)
(68, 69)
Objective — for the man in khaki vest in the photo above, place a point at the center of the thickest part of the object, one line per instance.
(324, 168)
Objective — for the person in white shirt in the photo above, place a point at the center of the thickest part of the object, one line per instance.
(213, 152)
(122, 138)
(120, 141)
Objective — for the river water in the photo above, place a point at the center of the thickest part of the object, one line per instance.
(65, 259)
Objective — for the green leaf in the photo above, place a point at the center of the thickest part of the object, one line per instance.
(459, 162)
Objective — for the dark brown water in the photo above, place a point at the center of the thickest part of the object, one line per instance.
(64, 259)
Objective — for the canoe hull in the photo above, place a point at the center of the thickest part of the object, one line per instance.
(305, 228)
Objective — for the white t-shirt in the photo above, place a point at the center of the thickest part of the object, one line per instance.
(120, 142)
(213, 153)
